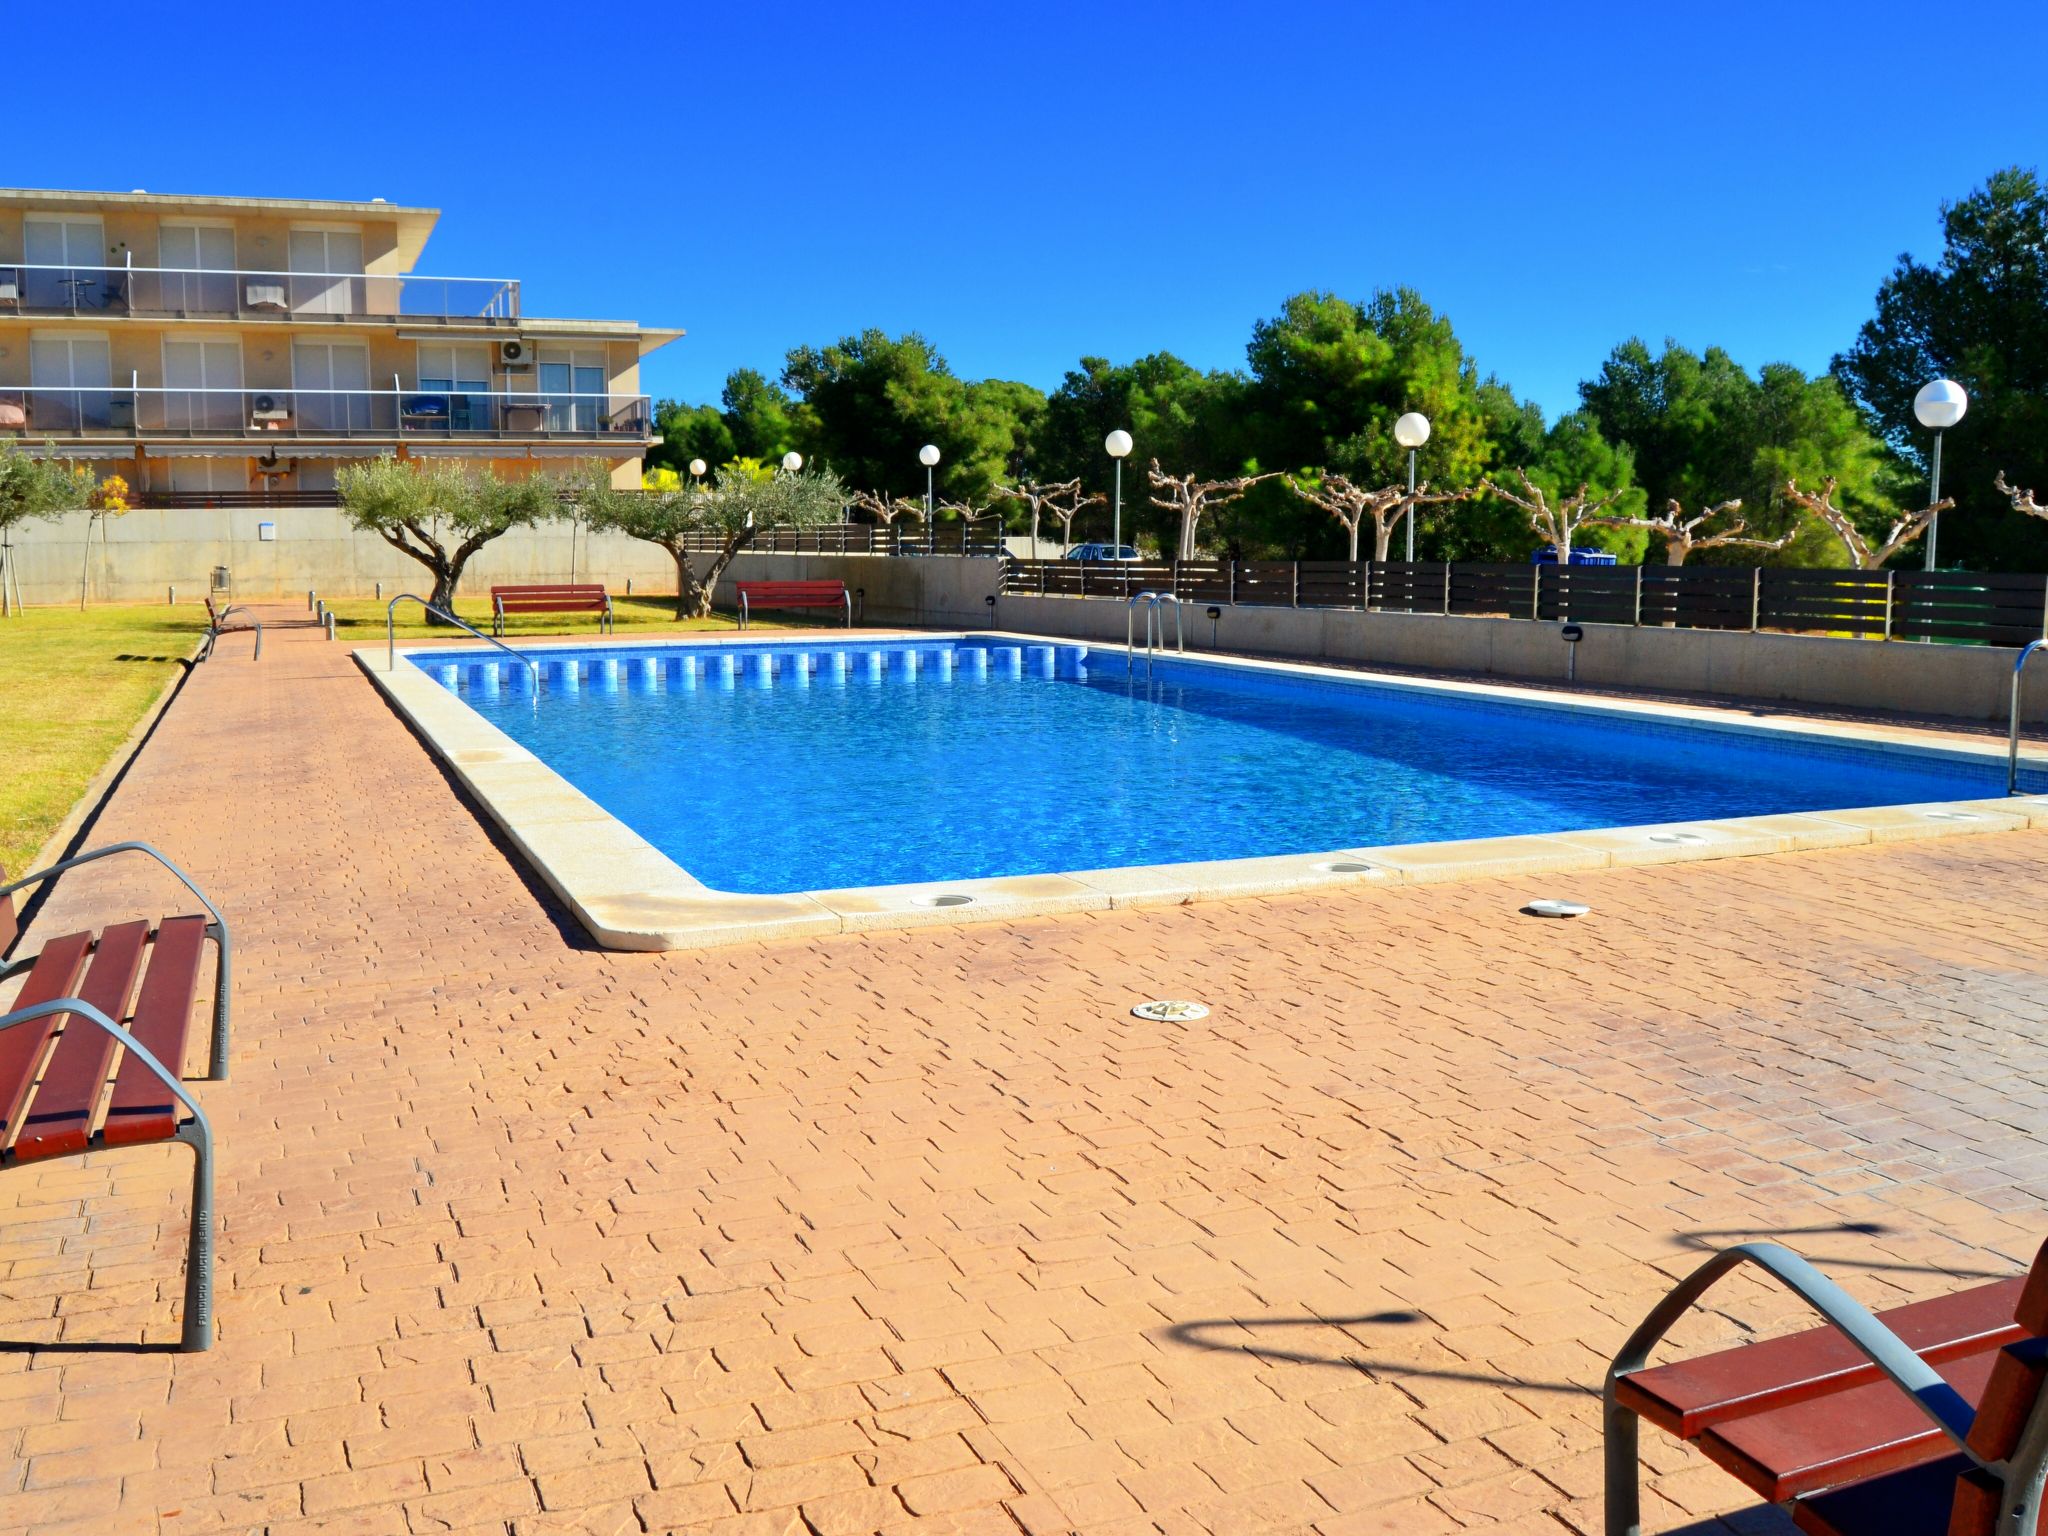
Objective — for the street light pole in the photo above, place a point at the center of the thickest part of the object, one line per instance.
(1939, 405)
(1118, 446)
(1411, 432)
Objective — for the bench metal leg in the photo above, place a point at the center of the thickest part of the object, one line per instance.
(217, 1059)
(198, 1330)
(848, 597)
(1624, 1511)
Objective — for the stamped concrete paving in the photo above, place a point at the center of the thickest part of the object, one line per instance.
(920, 1231)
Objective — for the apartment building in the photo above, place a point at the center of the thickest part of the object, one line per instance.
(234, 350)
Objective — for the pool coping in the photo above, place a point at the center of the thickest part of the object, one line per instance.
(630, 895)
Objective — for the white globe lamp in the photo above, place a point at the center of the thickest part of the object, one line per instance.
(1411, 432)
(1938, 407)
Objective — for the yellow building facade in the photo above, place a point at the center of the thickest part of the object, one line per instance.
(226, 351)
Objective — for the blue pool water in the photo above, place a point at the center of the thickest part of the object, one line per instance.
(821, 765)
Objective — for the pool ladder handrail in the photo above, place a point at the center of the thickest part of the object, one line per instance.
(1153, 616)
(391, 639)
(2012, 724)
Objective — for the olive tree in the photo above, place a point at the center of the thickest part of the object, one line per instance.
(439, 513)
(724, 514)
(34, 488)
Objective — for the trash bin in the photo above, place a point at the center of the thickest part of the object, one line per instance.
(220, 579)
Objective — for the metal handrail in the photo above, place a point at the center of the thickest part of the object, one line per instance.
(1151, 600)
(391, 640)
(1180, 639)
(2012, 724)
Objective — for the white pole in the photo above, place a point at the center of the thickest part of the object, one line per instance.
(1116, 535)
(1934, 522)
(1411, 506)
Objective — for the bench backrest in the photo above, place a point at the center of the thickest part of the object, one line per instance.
(552, 589)
(776, 590)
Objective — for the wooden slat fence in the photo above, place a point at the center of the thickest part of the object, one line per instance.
(2002, 608)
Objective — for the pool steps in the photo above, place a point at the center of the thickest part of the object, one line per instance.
(768, 669)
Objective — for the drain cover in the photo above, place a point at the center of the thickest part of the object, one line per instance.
(1676, 837)
(1167, 1011)
(1953, 816)
(1549, 908)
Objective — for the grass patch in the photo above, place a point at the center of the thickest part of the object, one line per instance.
(72, 686)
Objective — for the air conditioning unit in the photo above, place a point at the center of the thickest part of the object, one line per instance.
(515, 355)
(269, 411)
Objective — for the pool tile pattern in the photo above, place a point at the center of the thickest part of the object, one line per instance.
(918, 1230)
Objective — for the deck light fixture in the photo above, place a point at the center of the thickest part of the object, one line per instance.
(1411, 432)
(1939, 406)
(1118, 446)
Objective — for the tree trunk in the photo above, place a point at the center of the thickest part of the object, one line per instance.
(446, 576)
(1674, 552)
(707, 584)
(1382, 541)
(692, 602)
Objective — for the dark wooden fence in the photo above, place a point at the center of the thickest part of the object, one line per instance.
(860, 539)
(1972, 607)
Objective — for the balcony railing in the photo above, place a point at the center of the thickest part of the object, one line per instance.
(183, 292)
(264, 416)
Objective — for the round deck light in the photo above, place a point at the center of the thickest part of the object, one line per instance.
(1118, 444)
(1550, 907)
(1412, 430)
(1170, 1011)
(1940, 405)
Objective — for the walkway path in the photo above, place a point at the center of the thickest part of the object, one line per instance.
(920, 1231)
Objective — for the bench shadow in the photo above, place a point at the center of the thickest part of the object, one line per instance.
(1713, 1239)
(83, 1347)
(1197, 1334)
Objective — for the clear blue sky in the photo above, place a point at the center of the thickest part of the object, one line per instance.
(1028, 183)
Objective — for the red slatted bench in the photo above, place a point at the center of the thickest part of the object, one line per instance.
(217, 625)
(1913, 1422)
(562, 597)
(92, 1046)
(793, 594)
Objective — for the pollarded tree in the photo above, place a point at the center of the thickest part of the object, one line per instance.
(885, 509)
(1192, 500)
(1555, 525)
(1063, 499)
(439, 514)
(1681, 534)
(741, 501)
(1352, 504)
(1862, 556)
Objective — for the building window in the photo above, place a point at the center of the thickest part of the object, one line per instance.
(460, 373)
(70, 383)
(67, 261)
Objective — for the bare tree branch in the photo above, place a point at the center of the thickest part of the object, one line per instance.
(1193, 499)
(2022, 501)
(1555, 525)
(1062, 499)
(1861, 556)
(1352, 504)
(1681, 534)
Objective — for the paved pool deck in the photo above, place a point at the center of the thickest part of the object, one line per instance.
(918, 1230)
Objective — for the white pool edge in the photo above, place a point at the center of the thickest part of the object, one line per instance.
(629, 895)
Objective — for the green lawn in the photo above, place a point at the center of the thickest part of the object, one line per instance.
(72, 686)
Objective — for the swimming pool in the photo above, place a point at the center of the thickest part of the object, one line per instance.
(776, 768)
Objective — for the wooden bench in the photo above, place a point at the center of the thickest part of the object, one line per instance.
(563, 597)
(1920, 1421)
(793, 594)
(92, 1047)
(217, 625)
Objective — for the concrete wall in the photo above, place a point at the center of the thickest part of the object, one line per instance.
(1970, 682)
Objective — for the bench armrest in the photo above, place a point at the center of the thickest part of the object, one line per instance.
(80, 1008)
(91, 855)
(1945, 1407)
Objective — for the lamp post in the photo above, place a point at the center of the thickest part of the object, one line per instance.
(697, 468)
(1939, 405)
(928, 456)
(1118, 446)
(1411, 432)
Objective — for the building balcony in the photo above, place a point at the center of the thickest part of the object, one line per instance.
(266, 419)
(176, 293)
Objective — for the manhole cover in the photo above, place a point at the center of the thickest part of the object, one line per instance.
(1168, 1011)
(1546, 907)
